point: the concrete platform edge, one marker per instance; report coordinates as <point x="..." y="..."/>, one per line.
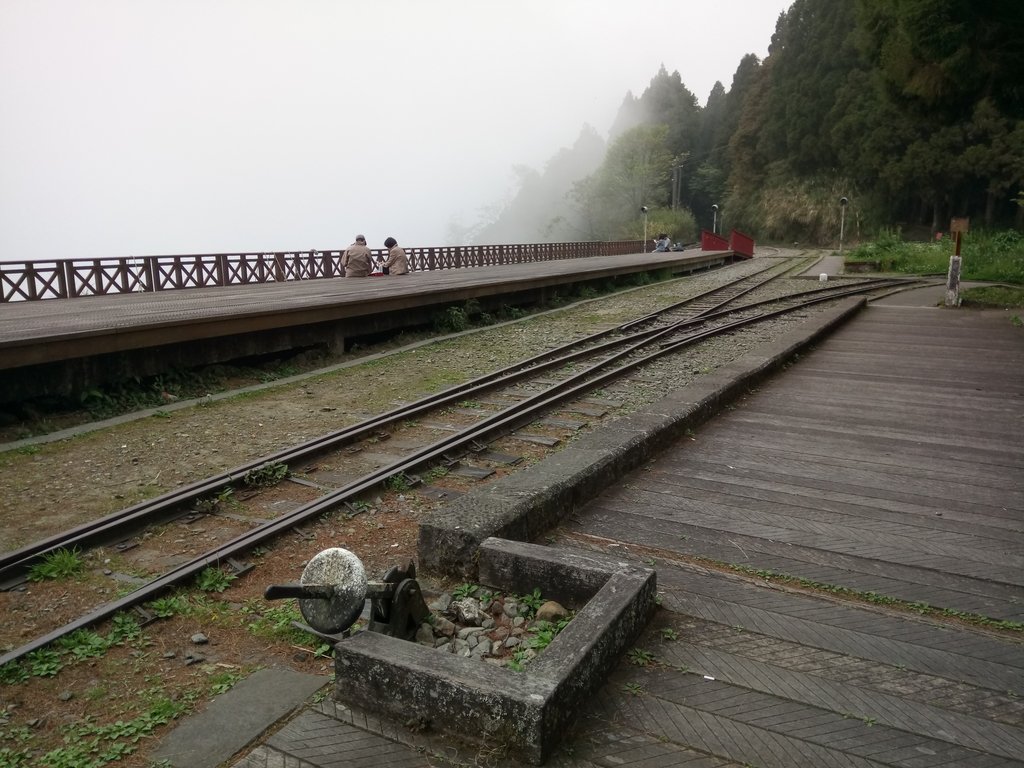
<point x="524" y="505"/>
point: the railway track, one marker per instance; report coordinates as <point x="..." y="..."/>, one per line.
<point x="503" y="401"/>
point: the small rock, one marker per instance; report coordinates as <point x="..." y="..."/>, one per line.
<point x="65" y="695"/>
<point x="425" y="635"/>
<point x="518" y="621"/>
<point x="441" y="604"/>
<point x="169" y="654"/>
<point x="552" y="612"/>
<point x="190" y="660"/>
<point x="512" y="642"/>
<point x="488" y="623"/>
<point x="300" y="656"/>
<point x="444" y="627"/>
<point x="467" y="611"/>
<point x="200" y="639"/>
<point x="511" y="609"/>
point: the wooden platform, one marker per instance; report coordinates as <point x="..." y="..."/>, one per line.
<point x="144" y="333"/>
<point x="889" y="462"/>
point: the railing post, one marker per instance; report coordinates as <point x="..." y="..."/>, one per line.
<point x="30" y="281"/>
<point x="221" y="269"/>
<point x="150" y="273"/>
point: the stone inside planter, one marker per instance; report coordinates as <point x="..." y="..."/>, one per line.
<point x="494" y="627"/>
<point x="522" y="712"/>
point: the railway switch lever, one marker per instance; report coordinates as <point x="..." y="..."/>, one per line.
<point x="333" y="590"/>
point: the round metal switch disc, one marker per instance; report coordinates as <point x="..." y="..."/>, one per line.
<point x="344" y="571"/>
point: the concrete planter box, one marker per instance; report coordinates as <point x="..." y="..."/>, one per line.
<point x="525" y="712"/>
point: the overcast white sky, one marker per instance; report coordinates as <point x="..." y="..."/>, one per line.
<point x="140" y="127"/>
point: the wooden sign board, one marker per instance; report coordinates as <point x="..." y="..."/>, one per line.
<point x="959" y="225"/>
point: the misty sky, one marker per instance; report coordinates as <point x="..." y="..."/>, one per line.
<point x="141" y="127"/>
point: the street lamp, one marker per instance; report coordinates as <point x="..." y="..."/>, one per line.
<point x="714" y="220"/>
<point x="842" y="221"/>
<point x="643" y="211"/>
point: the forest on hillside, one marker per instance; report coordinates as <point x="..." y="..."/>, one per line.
<point x="912" y="110"/>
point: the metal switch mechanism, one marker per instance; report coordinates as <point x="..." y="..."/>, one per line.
<point x="333" y="589"/>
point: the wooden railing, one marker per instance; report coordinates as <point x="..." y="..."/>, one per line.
<point x="74" y="278"/>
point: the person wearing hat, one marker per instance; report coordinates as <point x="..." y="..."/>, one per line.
<point x="396" y="263"/>
<point x="357" y="260"/>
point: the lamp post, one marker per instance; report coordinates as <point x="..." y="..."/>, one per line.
<point x="643" y="212"/>
<point x="842" y="221"/>
<point x="714" y="220"/>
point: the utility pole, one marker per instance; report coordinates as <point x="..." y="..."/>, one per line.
<point x="677" y="186"/>
<point x="842" y="221"/>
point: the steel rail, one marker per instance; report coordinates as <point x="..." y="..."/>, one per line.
<point x="502" y="421"/>
<point x="166" y="505"/>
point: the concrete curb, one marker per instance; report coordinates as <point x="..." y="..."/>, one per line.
<point x="524" y="505"/>
<point x="237" y="718"/>
<point x="524" y="712"/>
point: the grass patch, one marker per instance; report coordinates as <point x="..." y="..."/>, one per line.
<point x="214" y="580"/>
<point x="58" y="564"/>
<point x="994" y="297"/>
<point x="987" y="256"/>
<point x="265" y="475"/>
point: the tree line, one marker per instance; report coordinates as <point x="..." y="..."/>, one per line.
<point x="913" y="110"/>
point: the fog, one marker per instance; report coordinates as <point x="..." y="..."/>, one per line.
<point x="141" y="127"/>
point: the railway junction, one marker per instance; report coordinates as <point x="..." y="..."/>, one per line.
<point x="793" y="505"/>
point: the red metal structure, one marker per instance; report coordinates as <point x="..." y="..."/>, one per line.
<point x="741" y="244"/>
<point x="709" y="241"/>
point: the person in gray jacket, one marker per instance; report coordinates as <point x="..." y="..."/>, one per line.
<point x="357" y="260"/>
<point x="396" y="263"/>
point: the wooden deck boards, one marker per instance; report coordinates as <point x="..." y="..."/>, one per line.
<point x="890" y="460"/>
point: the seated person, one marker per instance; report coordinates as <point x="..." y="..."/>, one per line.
<point x="396" y="263"/>
<point x="357" y="260"/>
<point x="662" y="243"/>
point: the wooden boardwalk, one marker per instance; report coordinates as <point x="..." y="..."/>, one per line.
<point x="37" y="332"/>
<point x="888" y="460"/>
